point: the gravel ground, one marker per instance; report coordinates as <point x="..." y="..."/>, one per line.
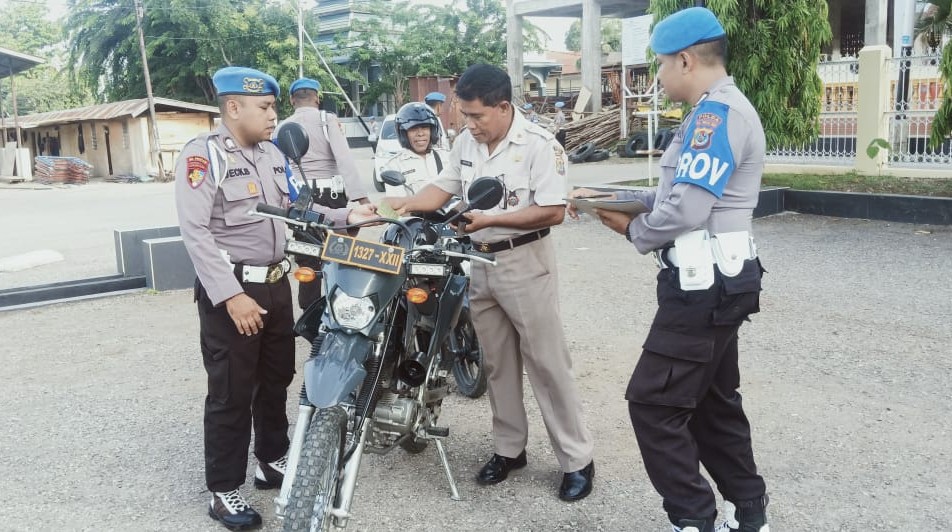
<point x="845" y="374"/>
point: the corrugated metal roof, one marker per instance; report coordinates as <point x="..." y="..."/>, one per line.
<point x="15" y="62"/>
<point x="109" y="111"/>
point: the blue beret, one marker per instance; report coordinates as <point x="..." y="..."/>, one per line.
<point x="685" y="28"/>
<point x="304" y="83"/>
<point x="560" y="104"/>
<point x="242" y="80"/>
<point x="527" y="106"/>
<point x="434" y="97"/>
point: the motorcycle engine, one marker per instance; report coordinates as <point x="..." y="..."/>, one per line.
<point x="395" y="415"/>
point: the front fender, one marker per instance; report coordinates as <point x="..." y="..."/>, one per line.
<point x="337" y="370"/>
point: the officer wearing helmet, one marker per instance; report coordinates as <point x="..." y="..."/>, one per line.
<point x="420" y="160"/>
<point x="682" y="396"/>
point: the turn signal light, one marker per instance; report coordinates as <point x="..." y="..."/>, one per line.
<point x="417" y="295"/>
<point x="305" y="274"/>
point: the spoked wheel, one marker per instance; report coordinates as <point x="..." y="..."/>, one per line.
<point x="318" y="474"/>
<point x="468" y="368"/>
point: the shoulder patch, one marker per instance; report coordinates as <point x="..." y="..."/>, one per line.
<point x="706" y="158"/>
<point x="196" y="168"/>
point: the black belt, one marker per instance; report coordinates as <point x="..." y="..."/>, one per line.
<point x="504" y="245"/>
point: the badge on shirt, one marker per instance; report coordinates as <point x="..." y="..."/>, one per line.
<point x="466" y="163"/>
<point x="252" y="188"/>
<point x="230" y="144"/>
<point x="196" y="168"/>
<point x="559" y="160"/>
<point x="513" y="199"/>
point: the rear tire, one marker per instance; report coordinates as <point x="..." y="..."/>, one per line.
<point x="314" y="491"/>
<point x="468" y="366"/>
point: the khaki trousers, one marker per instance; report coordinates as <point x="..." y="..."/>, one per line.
<point x="515" y="307"/>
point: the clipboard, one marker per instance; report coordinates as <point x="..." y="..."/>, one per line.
<point x="588" y="205"/>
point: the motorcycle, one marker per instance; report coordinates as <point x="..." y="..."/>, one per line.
<point x="377" y="371"/>
<point x="462" y="343"/>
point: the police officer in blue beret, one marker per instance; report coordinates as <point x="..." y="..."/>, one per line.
<point x="435" y="101"/>
<point x="682" y="396"/>
<point x="242" y="292"/>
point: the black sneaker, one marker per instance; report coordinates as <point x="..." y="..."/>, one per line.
<point x="231" y="510"/>
<point x="745" y="516"/>
<point x="271" y="475"/>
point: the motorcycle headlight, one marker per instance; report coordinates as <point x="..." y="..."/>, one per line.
<point x="352" y="312"/>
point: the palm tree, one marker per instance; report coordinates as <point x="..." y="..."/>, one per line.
<point x="935" y="23"/>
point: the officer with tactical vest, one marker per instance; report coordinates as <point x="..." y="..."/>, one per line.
<point x="682" y="397"/>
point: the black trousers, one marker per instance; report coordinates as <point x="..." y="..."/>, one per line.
<point x="248" y="378"/>
<point x="683" y="399"/>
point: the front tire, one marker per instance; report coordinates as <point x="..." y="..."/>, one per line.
<point x="315" y="485"/>
<point x="468" y="364"/>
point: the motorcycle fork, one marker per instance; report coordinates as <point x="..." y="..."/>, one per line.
<point x="348" y="480"/>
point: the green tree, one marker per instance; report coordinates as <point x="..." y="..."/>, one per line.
<point x="611" y="35"/>
<point x="773" y="47"/>
<point x="25" y="28"/>
<point x="406" y="40"/>
<point x="186" y="42"/>
<point x="934" y="24"/>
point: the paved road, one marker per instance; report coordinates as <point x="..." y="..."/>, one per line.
<point x="845" y="376"/>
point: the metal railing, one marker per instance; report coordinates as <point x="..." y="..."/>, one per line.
<point x="836" y="142"/>
<point x="916" y="91"/>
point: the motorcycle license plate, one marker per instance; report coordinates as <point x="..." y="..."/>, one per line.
<point x="363" y="254"/>
<point x="303" y="248"/>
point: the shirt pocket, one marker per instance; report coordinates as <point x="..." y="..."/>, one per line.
<point x="241" y="195"/>
<point x="517" y="193"/>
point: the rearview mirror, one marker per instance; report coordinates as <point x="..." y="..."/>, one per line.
<point x="393" y="178"/>
<point x="484" y="193"/>
<point x="292" y="141"/>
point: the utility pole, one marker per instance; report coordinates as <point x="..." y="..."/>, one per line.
<point x="300" y="38"/>
<point x="154" y="145"/>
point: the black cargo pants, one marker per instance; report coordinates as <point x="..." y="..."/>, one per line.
<point x="683" y="399"/>
<point x="248" y="378"/>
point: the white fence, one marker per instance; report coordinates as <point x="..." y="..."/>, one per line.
<point x="915" y="94"/>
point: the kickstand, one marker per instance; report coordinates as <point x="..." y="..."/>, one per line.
<point x="446" y="468"/>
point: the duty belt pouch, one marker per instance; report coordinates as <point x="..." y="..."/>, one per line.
<point x="731" y="250"/>
<point x="695" y="263"/>
<point x="329" y="192"/>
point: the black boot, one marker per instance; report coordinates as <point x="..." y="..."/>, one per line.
<point x="745" y="516"/>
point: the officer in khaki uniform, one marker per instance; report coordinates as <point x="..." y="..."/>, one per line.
<point x="682" y="397"/>
<point x="515" y="304"/>
<point x="328" y="165"/>
<point x="421" y="159"/>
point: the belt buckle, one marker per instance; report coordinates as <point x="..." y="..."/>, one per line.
<point x="657" y="257"/>
<point x="484" y="247"/>
<point x="275" y="273"/>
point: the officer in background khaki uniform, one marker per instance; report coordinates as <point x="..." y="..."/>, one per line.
<point x="420" y="160"/>
<point x="515" y="304"/>
<point x="682" y="397"/>
<point x="328" y="165"/>
<point x="243" y="294"/>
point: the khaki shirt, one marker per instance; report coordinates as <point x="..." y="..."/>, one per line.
<point x="213" y="208"/>
<point x="327" y="155"/>
<point x="528" y="160"/>
<point x="418" y="171"/>
<point x="679" y="208"/>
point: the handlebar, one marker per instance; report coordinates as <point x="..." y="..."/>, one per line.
<point x="264" y="208"/>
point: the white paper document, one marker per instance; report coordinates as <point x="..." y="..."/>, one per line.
<point x="588" y="205"/>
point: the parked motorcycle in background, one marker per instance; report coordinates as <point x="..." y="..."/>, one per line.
<point x="377" y="372"/>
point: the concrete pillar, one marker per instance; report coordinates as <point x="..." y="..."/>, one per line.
<point x="835" y="16"/>
<point x="871" y="120"/>
<point x="876" y="16"/>
<point x="592" y="51"/>
<point x="514" y="49"/>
